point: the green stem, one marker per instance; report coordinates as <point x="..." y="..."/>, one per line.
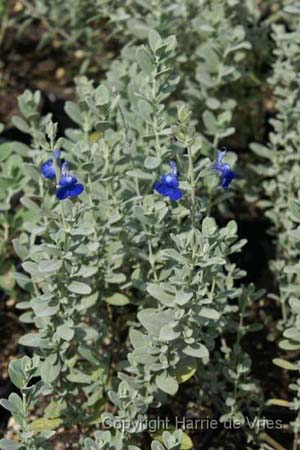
<point x="192" y="182"/>
<point x="154" y="122"/>
<point x="152" y="263"/>
<point x="63" y="216"/>
<point x="216" y="141"/>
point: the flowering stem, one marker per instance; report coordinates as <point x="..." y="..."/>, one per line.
<point x="154" y="122"/>
<point x="192" y="182"/>
<point x="216" y="140"/>
<point x="56" y="168"/>
<point x="137" y="189"/>
<point x="152" y="263"/>
<point x="124" y="122"/>
<point x="63" y="216"/>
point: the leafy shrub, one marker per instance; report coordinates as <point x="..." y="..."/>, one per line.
<point x="131" y="288"/>
<point x="123" y="243"/>
<point x="280" y="175"/>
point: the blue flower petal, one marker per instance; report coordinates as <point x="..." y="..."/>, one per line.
<point x="168" y="185"/>
<point x="167" y="191"/>
<point x="219" y="164"/>
<point x="162" y="188"/>
<point x="173" y="166"/>
<point x="47" y="169"/>
<point x="67" y="180"/>
<point x="175" y="194"/>
<point x="69" y="191"/>
<point x="224" y="169"/>
<point x="227" y="175"/>
<point x="170" y="180"/>
<point x="65" y="168"/>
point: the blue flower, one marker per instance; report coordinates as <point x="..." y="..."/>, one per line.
<point x="68" y="187"/>
<point x="224" y="170"/>
<point x="168" y="186"/>
<point x="47" y="168"/>
<point x="219" y="162"/>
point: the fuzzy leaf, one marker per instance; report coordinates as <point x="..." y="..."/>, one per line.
<point x="166" y="383"/>
<point x="197" y="351"/>
<point x="155" y="41"/>
<point x="65" y="332"/>
<point x="79" y="288"/>
<point x="117" y="299"/>
<point x="49" y="371"/>
<point x="8" y="444"/>
<point x="52" y="265"/>
<point x="209" y="313"/>
<point x="144" y="60"/>
<point x="45" y="424"/>
<point x="285" y="364"/>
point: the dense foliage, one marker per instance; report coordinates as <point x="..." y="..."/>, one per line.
<point x="119" y="235"/>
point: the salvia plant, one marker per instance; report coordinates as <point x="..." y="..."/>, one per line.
<point x="65" y="23"/>
<point x="116" y="218"/>
<point x="280" y="174"/>
<point x="12" y="181"/>
<point x="24" y="374"/>
<point x="217" y="55"/>
<point x="213" y="40"/>
<point x="127" y="277"/>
